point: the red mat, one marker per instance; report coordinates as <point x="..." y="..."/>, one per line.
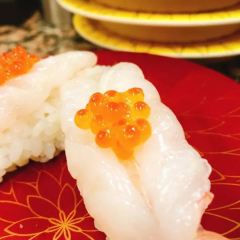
<point x="41" y="201"/>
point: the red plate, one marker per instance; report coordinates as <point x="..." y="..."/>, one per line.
<point x="41" y="201"/>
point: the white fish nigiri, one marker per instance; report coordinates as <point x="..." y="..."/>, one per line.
<point x="29" y="109"/>
<point x="109" y="195"/>
<point x="161" y="192"/>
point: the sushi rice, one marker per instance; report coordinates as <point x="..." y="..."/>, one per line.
<point x="37" y="137"/>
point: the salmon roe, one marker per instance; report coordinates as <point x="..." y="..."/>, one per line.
<point x="118" y="119"/>
<point x="15" y="62"/>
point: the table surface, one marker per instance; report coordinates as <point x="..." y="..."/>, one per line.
<point x="40" y="38"/>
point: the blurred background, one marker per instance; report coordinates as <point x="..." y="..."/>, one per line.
<point x="206" y="32"/>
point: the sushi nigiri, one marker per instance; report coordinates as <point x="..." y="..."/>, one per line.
<point x="29" y="103"/>
<point x="137" y="174"/>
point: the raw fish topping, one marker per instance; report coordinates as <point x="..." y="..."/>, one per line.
<point x="119" y="120"/>
<point x="15" y="62"/>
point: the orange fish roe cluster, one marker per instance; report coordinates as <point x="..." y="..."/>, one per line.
<point x="119" y="120"/>
<point x="15" y="62"/>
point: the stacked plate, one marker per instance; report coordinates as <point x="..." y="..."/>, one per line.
<point x="184" y="28"/>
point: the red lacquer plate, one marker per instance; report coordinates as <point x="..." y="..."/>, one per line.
<point x="41" y="201"/>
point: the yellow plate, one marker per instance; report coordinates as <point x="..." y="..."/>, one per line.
<point x="166" y="6"/>
<point x="90" y="9"/>
<point x="170" y="34"/>
<point x="95" y="33"/>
